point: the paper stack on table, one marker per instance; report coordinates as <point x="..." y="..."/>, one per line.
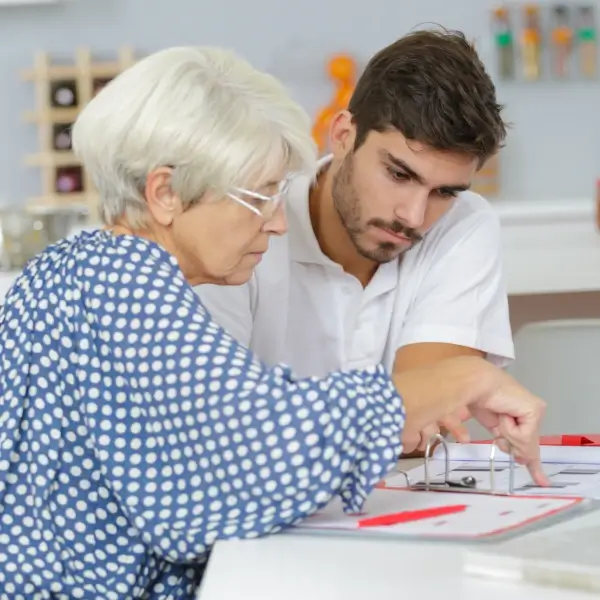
<point x="569" y="560"/>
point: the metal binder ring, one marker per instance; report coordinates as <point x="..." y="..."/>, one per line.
<point x="436" y="437"/>
<point x="406" y="477"/>
<point x="511" y="466"/>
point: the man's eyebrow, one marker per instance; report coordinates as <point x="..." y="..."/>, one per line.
<point x="400" y="164"/>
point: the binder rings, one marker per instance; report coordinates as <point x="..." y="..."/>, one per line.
<point x="451" y="508"/>
<point x="572" y="463"/>
<point x="466" y="483"/>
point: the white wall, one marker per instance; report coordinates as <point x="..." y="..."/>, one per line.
<point x="553" y="150"/>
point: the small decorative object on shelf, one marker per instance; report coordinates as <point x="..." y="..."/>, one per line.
<point x="342" y="71"/>
<point x="99" y="83"/>
<point x="586" y="39"/>
<point x="504" y="43"/>
<point x="64" y="94"/>
<point x="562" y="41"/>
<point x="61" y="137"/>
<point x="556" y="42"/>
<point x="69" y="179"/>
<point x="531" y="41"/>
<point x="61" y="92"/>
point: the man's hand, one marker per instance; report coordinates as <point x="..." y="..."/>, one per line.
<point x="512" y="413"/>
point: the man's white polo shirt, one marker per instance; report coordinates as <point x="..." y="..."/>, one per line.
<point x="302" y="309"/>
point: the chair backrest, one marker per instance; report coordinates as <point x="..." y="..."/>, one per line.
<point x="560" y="362"/>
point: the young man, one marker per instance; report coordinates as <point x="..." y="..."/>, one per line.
<point x="389" y="257"/>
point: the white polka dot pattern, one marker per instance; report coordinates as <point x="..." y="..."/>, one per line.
<point x="134" y="432"/>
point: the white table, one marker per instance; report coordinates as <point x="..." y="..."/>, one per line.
<point x="289" y="567"/>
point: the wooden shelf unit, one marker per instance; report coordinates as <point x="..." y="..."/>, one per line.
<point x="61" y="91"/>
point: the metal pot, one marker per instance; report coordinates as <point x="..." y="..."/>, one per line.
<point x="25" y="232"/>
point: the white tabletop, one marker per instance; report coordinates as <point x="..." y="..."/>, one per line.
<point x="294" y="567"/>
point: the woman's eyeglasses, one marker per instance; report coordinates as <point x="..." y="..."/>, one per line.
<point x="259" y="204"/>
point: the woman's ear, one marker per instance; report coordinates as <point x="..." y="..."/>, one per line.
<point x="162" y="203"/>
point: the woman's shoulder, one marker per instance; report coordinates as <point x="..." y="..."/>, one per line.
<point x="96" y="256"/>
<point x="100" y="248"/>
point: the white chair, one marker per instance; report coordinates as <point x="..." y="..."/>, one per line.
<point x="560" y="362"/>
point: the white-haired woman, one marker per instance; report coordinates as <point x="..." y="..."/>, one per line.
<point x="134" y="432"/>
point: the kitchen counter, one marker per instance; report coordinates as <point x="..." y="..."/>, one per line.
<point x="550" y="247"/>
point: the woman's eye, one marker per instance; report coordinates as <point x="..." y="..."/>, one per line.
<point x="254" y="201"/>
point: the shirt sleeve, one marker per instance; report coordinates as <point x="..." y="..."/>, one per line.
<point x="231" y="307"/>
<point x="218" y="445"/>
<point x="462" y="297"/>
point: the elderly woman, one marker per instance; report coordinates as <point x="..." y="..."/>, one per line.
<point x="134" y="432"/>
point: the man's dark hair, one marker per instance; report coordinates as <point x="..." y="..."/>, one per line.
<point x="432" y="87"/>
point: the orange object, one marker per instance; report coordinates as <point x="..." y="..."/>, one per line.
<point x="342" y="71"/>
<point x="561" y="38"/>
<point x="531" y="36"/>
<point x="562" y="35"/>
<point x="531" y="43"/>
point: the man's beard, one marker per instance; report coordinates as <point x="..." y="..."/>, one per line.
<point x="347" y="205"/>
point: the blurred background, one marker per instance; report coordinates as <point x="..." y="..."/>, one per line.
<point x="553" y="150"/>
<point x="544" y="185"/>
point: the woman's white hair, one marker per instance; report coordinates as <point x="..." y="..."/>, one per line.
<point x="210" y="115"/>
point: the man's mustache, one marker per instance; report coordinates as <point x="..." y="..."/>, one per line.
<point x="398" y="228"/>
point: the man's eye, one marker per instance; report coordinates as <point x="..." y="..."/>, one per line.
<point x="447" y="193"/>
<point x="397" y="175"/>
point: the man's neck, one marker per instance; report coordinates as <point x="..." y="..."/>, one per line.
<point x="331" y="235"/>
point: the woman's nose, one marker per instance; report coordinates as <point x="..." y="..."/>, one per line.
<point x="277" y="224"/>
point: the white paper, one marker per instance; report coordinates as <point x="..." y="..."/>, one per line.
<point x="485" y="515"/>
<point x="549" y="454"/>
<point x="566" y="479"/>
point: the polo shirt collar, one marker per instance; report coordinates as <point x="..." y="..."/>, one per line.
<point x="304" y="247"/>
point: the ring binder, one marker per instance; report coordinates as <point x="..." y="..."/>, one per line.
<point x="465" y="484"/>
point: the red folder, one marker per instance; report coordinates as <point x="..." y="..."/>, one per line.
<point x="570" y="440"/>
<point x="588" y="439"/>
<point x="564" y="448"/>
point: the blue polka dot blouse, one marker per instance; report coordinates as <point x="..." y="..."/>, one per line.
<point x="135" y="432"/>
